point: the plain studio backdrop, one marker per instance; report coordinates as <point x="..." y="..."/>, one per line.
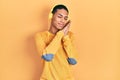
<point x="95" y="23"/>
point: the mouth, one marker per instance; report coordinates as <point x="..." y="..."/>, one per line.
<point x="61" y="24"/>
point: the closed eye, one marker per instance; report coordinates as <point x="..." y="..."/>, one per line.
<point x="59" y="16"/>
<point x="66" y="18"/>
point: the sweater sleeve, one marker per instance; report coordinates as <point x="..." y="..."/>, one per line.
<point x="48" y="51"/>
<point x="68" y="43"/>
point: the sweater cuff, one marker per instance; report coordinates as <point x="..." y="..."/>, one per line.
<point x="60" y="33"/>
<point x="66" y="38"/>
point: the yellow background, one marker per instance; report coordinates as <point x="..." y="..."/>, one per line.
<point x="96" y="24"/>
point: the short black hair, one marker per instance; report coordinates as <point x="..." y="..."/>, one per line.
<point x="59" y="6"/>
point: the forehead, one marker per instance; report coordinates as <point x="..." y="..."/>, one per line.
<point x="61" y="12"/>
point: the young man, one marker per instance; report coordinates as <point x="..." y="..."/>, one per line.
<point x="56" y="48"/>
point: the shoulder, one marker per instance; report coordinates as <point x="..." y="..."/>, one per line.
<point x="70" y="33"/>
<point x="40" y="34"/>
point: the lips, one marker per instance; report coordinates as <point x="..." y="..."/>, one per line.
<point x="60" y="24"/>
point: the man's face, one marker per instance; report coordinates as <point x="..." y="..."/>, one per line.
<point x="59" y="19"/>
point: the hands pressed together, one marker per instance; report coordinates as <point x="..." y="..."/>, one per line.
<point x="66" y="28"/>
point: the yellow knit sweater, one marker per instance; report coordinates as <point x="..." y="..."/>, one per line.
<point x="57" y="66"/>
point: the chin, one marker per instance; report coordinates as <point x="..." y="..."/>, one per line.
<point x="60" y="27"/>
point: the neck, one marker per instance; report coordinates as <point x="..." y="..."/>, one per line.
<point x="53" y="29"/>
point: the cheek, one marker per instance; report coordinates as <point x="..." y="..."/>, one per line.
<point x="54" y="21"/>
<point x="66" y="22"/>
<point x="57" y="19"/>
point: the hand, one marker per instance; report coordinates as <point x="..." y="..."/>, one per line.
<point x="66" y="28"/>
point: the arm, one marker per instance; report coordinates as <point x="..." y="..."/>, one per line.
<point x="68" y="44"/>
<point x="48" y="51"/>
<point x="70" y="49"/>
